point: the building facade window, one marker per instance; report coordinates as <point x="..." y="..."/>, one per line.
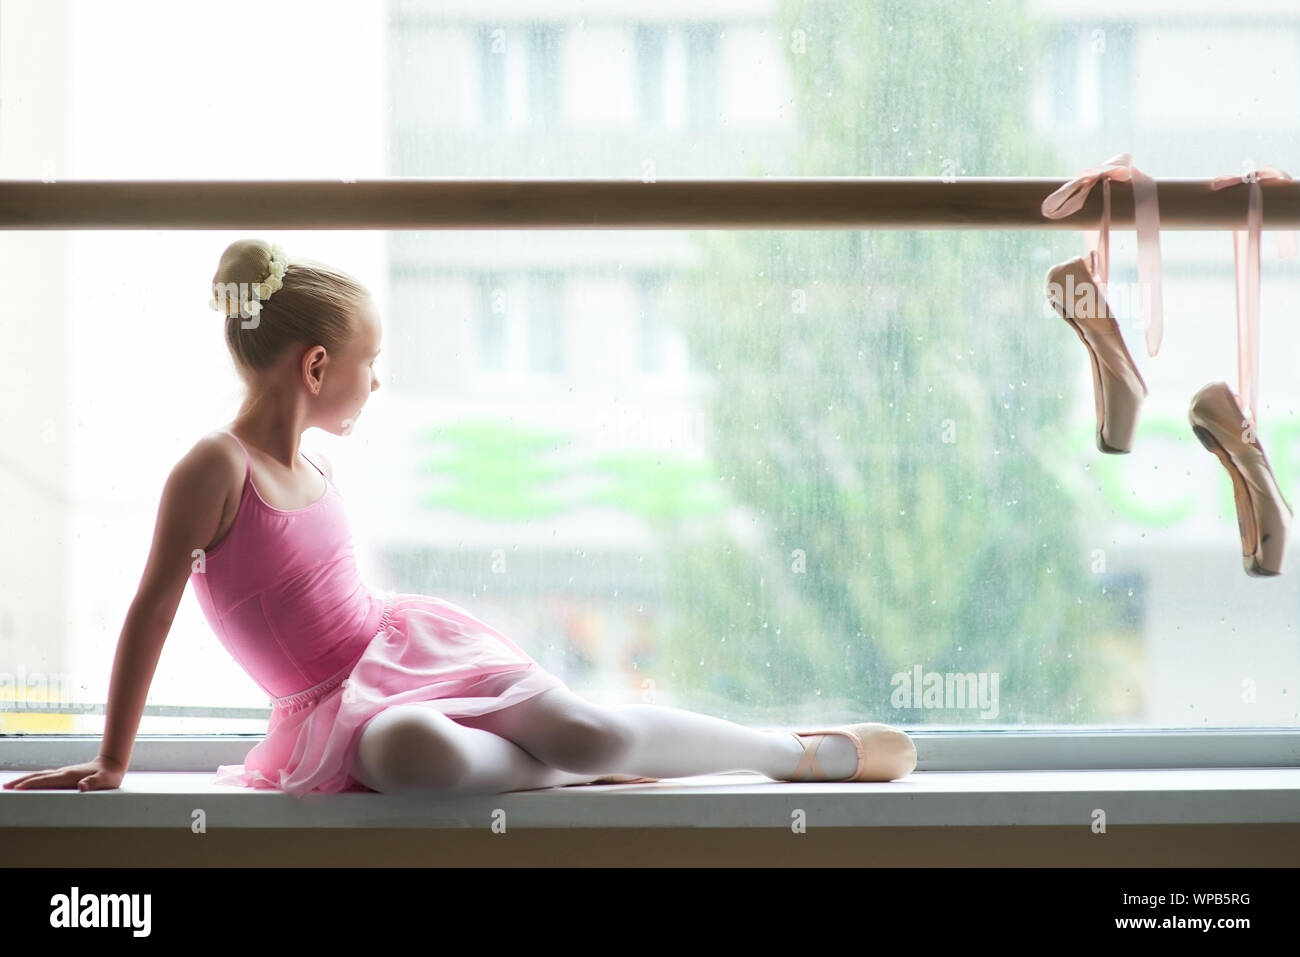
<point x="650" y="44"/>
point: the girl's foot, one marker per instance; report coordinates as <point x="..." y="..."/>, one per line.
<point x="836" y="755"/>
<point x="882" y="753"/>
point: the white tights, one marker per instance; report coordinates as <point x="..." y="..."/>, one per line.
<point x="557" y="738"/>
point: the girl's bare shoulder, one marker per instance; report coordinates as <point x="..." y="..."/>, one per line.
<point x="216" y="449"/>
<point x="213" y="466"/>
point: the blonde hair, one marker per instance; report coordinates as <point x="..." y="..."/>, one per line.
<point x="315" y="305"/>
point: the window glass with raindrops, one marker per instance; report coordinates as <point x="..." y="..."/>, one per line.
<point x="781" y="476"/>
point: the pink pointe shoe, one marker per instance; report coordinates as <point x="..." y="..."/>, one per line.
<point x="1118" y="387"/>
<point x="1218" y="414"/>
<point x="1263" y="515"/>
<point x="884" y="753"/>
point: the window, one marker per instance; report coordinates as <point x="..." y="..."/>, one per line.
<point x="650" y="76"/>
<point x="493" y="325"/>
<point x="492" y="74"/>
<point x="519" y="326"/>
<point x="546" y="339"/>
<point x="651" y="339"/>
<point x="1113" y="46"/>
<point x="543" y="75"/>
<point x="702" y="74"/>
<point x="897" y="483"/>
<point x="518" y="66"/>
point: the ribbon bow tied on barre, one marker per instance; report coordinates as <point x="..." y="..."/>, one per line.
<point x="1146" y="217"/>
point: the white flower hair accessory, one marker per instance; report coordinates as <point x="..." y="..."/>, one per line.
<point x="251" y="295"/>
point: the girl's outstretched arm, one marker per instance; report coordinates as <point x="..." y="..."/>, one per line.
<point x="193" y="501"/>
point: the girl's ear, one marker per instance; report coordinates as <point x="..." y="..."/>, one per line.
<point x="314" y="361"/>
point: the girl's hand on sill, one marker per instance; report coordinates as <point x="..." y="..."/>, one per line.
<point x="90" y="776"/>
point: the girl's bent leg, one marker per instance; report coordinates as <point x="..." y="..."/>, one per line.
<point x="410" y="749"/>
<point x="566" y="731"/>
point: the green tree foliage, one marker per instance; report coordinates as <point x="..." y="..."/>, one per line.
<point x="889" y="406"/>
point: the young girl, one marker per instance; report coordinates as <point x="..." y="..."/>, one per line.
<point x="395" y="693"/>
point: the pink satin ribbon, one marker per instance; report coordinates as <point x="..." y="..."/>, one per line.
<point x="1146" y="217"/>
<point x="1245" y="258"/>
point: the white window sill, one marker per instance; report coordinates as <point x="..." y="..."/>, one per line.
<point x="741" y="799"/>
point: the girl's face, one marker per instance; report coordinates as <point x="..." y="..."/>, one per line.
<point x="350" y="377"/>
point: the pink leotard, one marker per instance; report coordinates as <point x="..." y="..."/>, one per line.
<point x="283" y="593"/>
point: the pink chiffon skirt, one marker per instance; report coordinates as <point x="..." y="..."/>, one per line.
<point x="427" y="651"/>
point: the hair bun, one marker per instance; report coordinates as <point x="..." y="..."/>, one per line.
<point x="249" y="272"/>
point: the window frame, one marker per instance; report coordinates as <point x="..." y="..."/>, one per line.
<point x="937" y="750"/>
<point x="762" y="203"/>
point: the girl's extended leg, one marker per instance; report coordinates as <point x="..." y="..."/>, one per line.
<point x="412" y="749"/>
<point x="565" y="731"/>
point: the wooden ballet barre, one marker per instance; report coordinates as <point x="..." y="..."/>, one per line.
<point x="759" y="203"/>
